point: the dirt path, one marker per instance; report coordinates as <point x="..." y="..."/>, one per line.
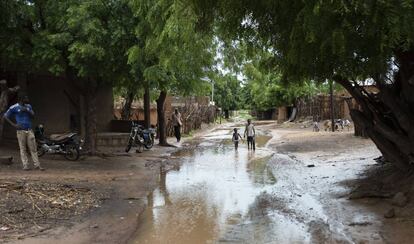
<point x="112" y="194"/>
<point x="121" y="183"/>
<point x="294" y="189"/>
<point x="319" y="195"/>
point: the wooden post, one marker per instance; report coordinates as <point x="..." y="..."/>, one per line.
<point x="332" y="105"/>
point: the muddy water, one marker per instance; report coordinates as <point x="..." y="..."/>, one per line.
<point x="218" y="195"/>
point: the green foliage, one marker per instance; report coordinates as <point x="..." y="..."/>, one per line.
<point x="317" y="39"/>
<point x="227" y="92"/>
<point x="263" y="87"/>
<point x="244" y="115"/>
<point x="267" y="91"/>
<point x="170" y="54"/>
<point x="130" y="43"/>
<point x="86" y="38"/>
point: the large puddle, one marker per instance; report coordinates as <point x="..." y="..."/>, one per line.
<point x="218" y="195"/>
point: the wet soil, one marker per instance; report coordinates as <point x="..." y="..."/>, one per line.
<point x="112" y="192"/>
<point x="218" y="194"/>
<point x="294" y="188"/>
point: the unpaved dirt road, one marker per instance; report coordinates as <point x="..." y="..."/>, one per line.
<point x="121" y="184"/>
<point x="293" y="189"/>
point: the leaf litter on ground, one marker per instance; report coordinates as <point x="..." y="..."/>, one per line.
<point x="39" y="206"/>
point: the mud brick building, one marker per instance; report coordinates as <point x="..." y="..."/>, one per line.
<point x="57" y="102"/>
<point x="137" y="110"/>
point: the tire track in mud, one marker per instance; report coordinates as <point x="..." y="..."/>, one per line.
<point x="336" y="219"/>
<point x="293" y="198"/>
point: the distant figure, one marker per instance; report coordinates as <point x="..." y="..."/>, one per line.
<point x="316" y="126"/>
<point x="251" y="134"/>
<point x="235" y="138"/>
<point x="342" y="123"/>
<point x="23" y="113"/>
<point x="327" y="124"/>
<point x="346" y="123"/>
<point x="339" y="124"/>
<point x="177" y="122"/>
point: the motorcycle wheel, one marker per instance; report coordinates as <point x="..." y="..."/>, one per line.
<point x="72" y="152"/>
<point x="149" y="144"/>
<point x="40" y="150"/>
<point x="129" y="145"/>
<point x="140" y="147"/>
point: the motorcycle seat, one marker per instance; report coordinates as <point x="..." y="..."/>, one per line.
<point x="61" y="137"/>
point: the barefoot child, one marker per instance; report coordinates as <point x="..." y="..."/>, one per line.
<point x="236" y="137"/>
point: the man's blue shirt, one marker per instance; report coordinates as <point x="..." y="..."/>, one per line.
<point x="23" y="118"/>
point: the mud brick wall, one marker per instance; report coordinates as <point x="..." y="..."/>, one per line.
<point x="112" y="139"/>
<point x="55" y="101"/>
<point x="137" y="114"/>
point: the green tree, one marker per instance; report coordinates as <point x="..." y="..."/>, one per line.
<point x="227" y="92"/>
<point x="267" y="91"/>
<point x="85" y="41"/>
<point x="263" y="87"/>
<point x="345" y="41"/>
<point x="170" y="53"/>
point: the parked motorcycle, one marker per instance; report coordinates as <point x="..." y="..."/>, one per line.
<point x="69" y="145"/>
<point x="140" y="138"/>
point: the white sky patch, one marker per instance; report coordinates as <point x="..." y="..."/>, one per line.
<point x="220" y="66"/>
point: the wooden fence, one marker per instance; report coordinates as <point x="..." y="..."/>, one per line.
<point x="193" y="116"/>
<point x="319" y="108"/>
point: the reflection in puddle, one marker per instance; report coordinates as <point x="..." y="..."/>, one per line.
<point x="260" y="173"/>
<point x="216" y="196"/>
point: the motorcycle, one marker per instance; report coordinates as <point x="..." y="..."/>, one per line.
<point x="140" y="138"/>
<point x="69" y="145"/>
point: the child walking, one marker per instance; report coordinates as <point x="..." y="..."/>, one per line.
<point x="236" y="137"/>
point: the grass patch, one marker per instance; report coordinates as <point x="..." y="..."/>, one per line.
<point x="244" y="114"/>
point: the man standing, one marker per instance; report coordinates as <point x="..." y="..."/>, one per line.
<point x="251" y="133"/>
<point x="176" y="120"/>
<point x="23" y="114"/>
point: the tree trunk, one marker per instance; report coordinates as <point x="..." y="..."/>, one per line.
<point x="90" y="90"/>
<point x="359" y="131"/>
<point x="126" y="110"/>
<point x="162" y="127"/>
<point x="387" y="117"/>
<point x="82" y="115"/>
<point x="226" y="114"/>
<point x="147" y="107"/>
<point x="91" y="122"/>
